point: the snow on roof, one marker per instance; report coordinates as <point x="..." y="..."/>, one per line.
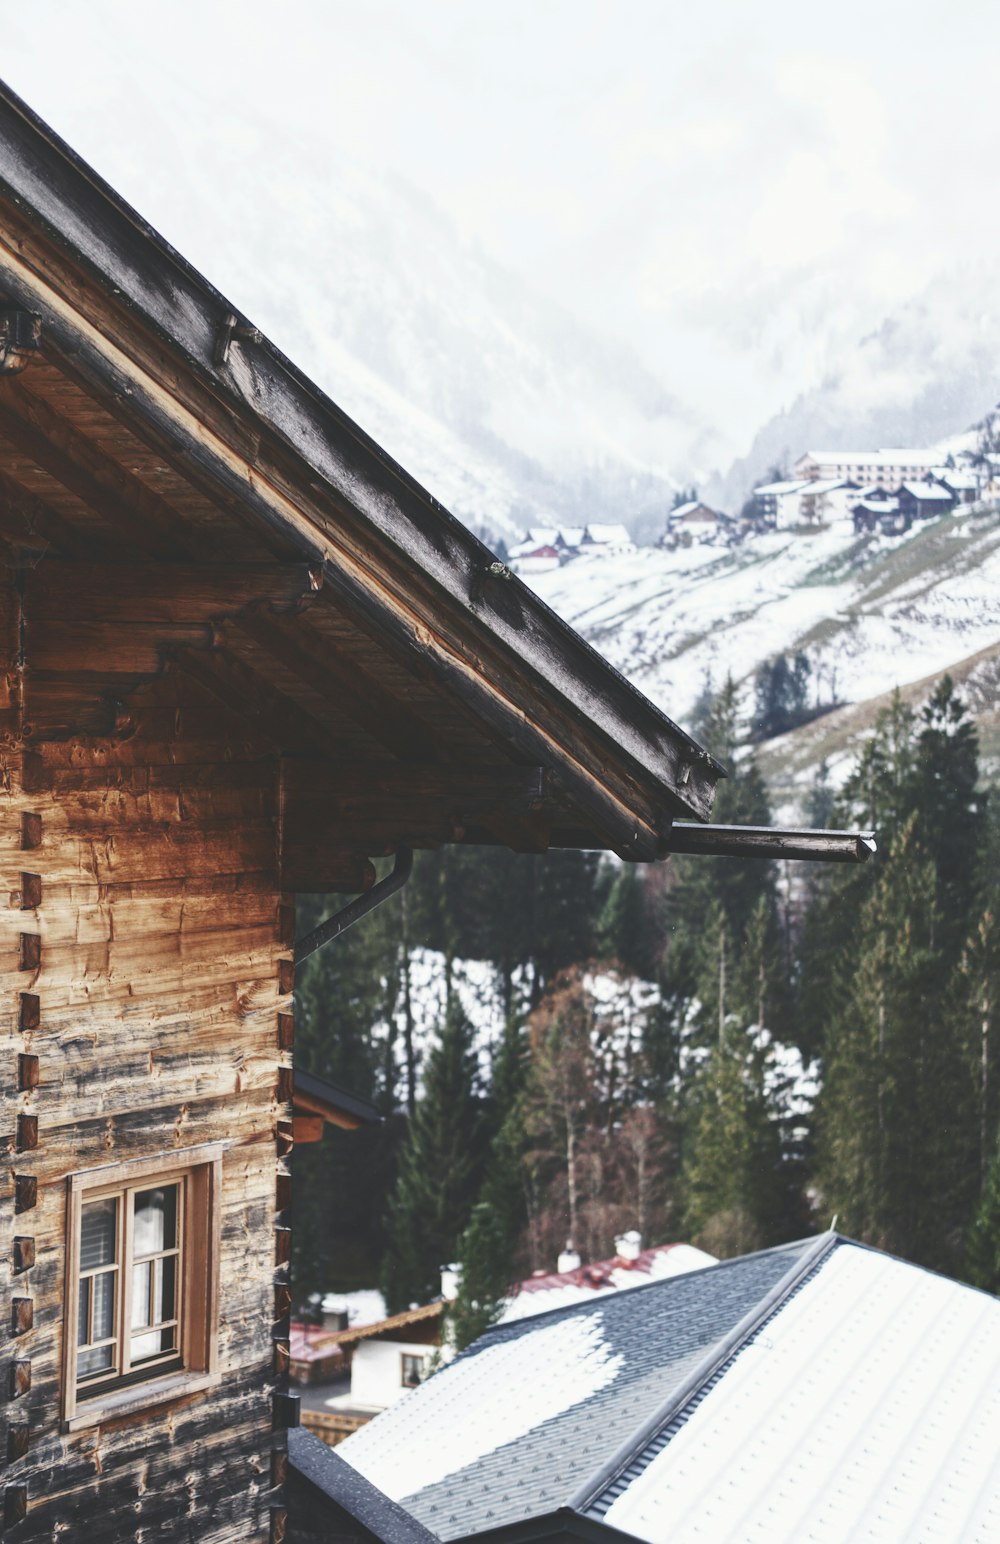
<point x="824" y="485"/>
<point x="866" y="1407"/>
<point x="960" y="481"/>
<point x="311" y="1342"/>
<point x="515" y="1425"/>
<point x="572" y="535"/>
<point x="820" y="1390"/>
<point x="559" y="1289"/>
<point x="928" y="491"/>
<point x="794" y="485"/>
<point x="365" y="1306"/>
<point x="599" y="532"/>
<point x="542" y="535"/>
<point x="874" y="457"/>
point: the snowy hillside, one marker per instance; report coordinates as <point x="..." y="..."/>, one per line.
<point x="871" y="613"/>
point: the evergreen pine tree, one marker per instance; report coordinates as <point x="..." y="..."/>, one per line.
<point x="488" y="1246"/>
<point x="623" y="927"/>
<point x="341" y="1183"/>
<point x="439" y="1169"/>
<point x="731" y="1166"/>
<point x="895" y="1113"/>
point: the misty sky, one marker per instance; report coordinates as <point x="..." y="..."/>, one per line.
<point x="739" y="191"/>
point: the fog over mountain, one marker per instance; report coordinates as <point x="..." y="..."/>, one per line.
<point x="560" y="264"/>
<point x="504" y="405"/>
<point x="930" y="370"/>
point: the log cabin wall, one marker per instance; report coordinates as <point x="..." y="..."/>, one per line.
<point x="146" y="979"/>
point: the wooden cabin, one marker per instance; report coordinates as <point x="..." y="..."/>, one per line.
<point x="243" y="654"/>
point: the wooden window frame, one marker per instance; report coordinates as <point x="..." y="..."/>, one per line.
<point x="198" y="1173"/>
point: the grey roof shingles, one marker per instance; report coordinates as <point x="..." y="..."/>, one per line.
<point x="660" y="1333"/>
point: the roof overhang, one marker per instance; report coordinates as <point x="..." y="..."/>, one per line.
<point x="156" y="346"/>
<point x="316" y="1103"/>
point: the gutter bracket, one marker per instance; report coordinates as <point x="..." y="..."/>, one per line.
<point x="20" y="336"/>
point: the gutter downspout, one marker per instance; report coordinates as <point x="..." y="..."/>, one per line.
<point x="341" y="920"/>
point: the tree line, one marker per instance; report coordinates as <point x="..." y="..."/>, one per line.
<point x="712" y="1049"/>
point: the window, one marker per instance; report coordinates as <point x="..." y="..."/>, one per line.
<point x="141" y="1303"/>
<point x="413" y="1370"/>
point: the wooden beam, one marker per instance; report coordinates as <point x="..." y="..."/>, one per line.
<point x="247" y="694"/>
<point x="140" y="516"/>
<point x="29" y="520"/>
<point x="307" y="1128"/>
<point x="347" y="687"/>
<point x="388" y="806"/>
<point x="162" y="592"/>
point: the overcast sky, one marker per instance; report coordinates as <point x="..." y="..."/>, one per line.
<point x="738" y="190"/>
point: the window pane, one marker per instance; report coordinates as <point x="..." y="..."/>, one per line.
<point x="98" y="1230"/>
<point x="83" y="1321"/>
<point x="99" y="1360"/>
<point x="141" y="1275"/>
<point x="164" y="1298"/>
<point x="153" y="1344"/>
<point x="155" y="1225"/>
<point x="103" y="1288"/>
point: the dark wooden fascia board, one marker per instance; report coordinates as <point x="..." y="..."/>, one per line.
<point x="144" y="338"/>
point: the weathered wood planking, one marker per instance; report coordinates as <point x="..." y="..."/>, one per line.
<point x="159" y="940"/>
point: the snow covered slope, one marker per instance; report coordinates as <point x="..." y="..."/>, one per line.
<point x="870" y="613"/>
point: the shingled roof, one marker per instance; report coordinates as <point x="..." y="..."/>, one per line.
<point x="527" y="1419"/>
<point x="821" y="1390"/>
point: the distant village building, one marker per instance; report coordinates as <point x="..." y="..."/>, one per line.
<point x="886" y="468"/>
<point x="545" y="547"/>
<point x="698" y="521"/>
<point x="776" y="504"/>
<point x="573" y="1282"/>
<point x="965" y="485"/>
<point x="604" y="540"/>
<point x="892" y="514"/>
<point x="924" y="500"/>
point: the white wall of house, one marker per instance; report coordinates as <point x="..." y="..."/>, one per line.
<point x="377" y="1370"/>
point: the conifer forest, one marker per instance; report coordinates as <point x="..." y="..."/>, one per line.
<point x="730" y="1053"/>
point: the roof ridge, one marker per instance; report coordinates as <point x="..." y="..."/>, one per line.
<point x="718" y="1354"/>
<point x="588" y="1305"/>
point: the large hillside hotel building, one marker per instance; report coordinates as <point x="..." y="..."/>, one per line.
<point x="887" y="468"/>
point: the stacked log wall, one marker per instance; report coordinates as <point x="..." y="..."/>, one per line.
<point x="144" y="963"/>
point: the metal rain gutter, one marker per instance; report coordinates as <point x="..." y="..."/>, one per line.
<point x="690" y="836"/>
<point x="341" y="920"/>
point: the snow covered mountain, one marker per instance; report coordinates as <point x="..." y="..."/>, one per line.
<point x="506" y="408"/>
<point x="870" y="613"/>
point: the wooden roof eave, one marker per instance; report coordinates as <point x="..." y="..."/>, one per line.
<point x="142" y="329"/>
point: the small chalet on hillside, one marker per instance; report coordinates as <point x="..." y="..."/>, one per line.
<point x="243" y="654"/>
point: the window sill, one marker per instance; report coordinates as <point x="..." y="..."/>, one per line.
<point x="142" y="1396"/>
